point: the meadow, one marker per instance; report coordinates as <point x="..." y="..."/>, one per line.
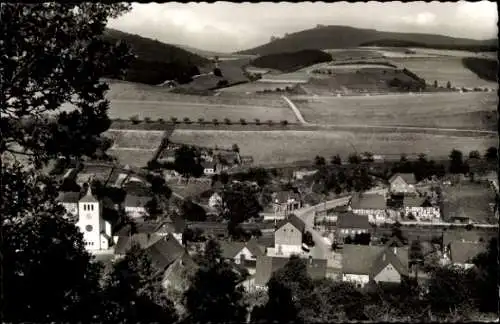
<point x="442" y="70"/>
<point x="270" y="147"/>
<point x="136" y="139"/>
<point x="473" y="110"/>
<point x="133" y="157"/>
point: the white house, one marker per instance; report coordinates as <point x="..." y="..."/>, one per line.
<point x="96" y="231"/>
<point x="288" y="237"/>
<point x="135" y="206"/>
<point x="420" y="209"/>
<point x="243" y="253"/>
<point x="209" y="168"/>
<point x="215" y="201"/>
<point x="402" y="183"/>
<point x="372" y="205"/>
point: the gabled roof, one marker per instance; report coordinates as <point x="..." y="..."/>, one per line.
<point x="350" y="220"/>
<point x="89" y="197"/>
<point x="68" y="197"/>
<point x="231" y="249"/>
<point x="409" y="178"/>
<point x="165" y="251"/>
<point x="281" y="197"/>
<point x="178" y="272"/>
<point x="295" y="221"/>
<point x="462" y="235"/>
<point x="464" y="252"/>
<point x="389" y="256"/>
<point x="364" y="259"/>
<point x="144" y="240"/>
<point x="136" y="201"/>
<point x="368" y="201"/>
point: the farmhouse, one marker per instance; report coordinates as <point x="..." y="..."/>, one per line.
<point x="363" y="264"/>
<point x="288" y="237"/>
<point x="350" y="224"/>
<point x="420" y="209"/>
<point x="402" y="183"/>
<point x="372" y="205"/>
<point x="243" y="253"/>
<point x="135" y="205"/>
<point x="266" y="265"/>
<point x="285" y="202"/>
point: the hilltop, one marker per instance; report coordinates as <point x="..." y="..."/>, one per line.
<point x="292" y="61"/>
<point x="157" y="61"/>
<point x="331" y="37"/>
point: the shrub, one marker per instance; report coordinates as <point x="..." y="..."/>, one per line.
<point x="174" y="120"/>
<point x="135" y="119"/>
<point x="227" y="121"/>
<point x="284" y="122"/>
<point x="215" y="121"/>
<point x="257" y="121"/>
<point x="147" y="119"/>
<point x="161" y="120"/>
<point x="243" y="121"/>
<point x="270" y="122"/>
<point x="201" y="121"/>
<point x="187" y="120"/>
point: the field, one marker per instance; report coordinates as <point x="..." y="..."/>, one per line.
<point x="145" y="140"/>
<point x="474" y="199"/>
<point x="269" y="147"/>
<point x="444" y="69"/>
<point x="474" y="110"/>
<point x="253" y="87"/>
<point x="133" y="157"/>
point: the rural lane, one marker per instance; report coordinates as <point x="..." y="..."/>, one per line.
<point x="296" y="111"/>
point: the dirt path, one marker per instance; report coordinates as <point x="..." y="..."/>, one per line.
<point x="295" y="110"/>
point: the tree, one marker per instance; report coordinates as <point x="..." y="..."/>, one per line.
<point x="153" y="208"/>
<point x="284" y="122"/>
<point x="485" y="292"/>
<point x="235" y="148"/>
<point x="64" y="52"/>
<point x="239" y="203"/>
<point x="227" y="121"/>
<point x="336" y="160"/>
<point x="448" y="85"/>
<point x="435" y="84"/>
<point x="319" y="161"/>
<point x="187" y="120"/>
<point x="354" y="159"/>
<point x="474" y="155"/>
<point x="491" y="154"/>
<point x="215" y="121"/>
<point x="193" y="212"/>
<point x="174" y="120"/>
<point x="134" y="292"/>
<point x="308" y="239"/>
<point x="257" y="121"/>
<point x="159" y="187"/>
<point x="201" y="121"/>
<point x="362" y="239"/>
<point x="243" y="121"/>
<point x="456" y="162"/>
<point x="187" y="162"/>
<point x="218" y="72"/>
<point x="213" y="295"/>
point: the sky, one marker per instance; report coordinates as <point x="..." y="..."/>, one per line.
<point x="229" y="27"/>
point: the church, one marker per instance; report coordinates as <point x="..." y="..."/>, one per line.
<point x="87" y="211"/>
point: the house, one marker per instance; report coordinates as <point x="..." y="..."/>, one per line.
<point x="267" y="265"/>
<point x="465" y="236"/>
<point x="420" y="209"/>
<point x="135" y="205"/>
<point x="243" y="253"/>
<point x="167" y="156"/>
<point x="364" y="264"/>
<point x="97" y="231"/>
<point x="285" y="202"/>
<point x="215" y="201"/>
<point x="350" y="224"/>
<point x="299" y="175"/>
<point x="402" y="183"/>
<point x="69" y="200"/>
<point x="462" y="253"/>
<point x="372" y="205"/>
<point x="209" y="168"/>
<point x="216" y="229"/>
<point x="125" y="240"/>
<point x="288" y="237"/>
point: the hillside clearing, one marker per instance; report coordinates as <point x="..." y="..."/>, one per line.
<point x="269" y="147"/>
<point x="473" y="110"/>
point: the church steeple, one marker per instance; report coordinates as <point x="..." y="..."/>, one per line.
<point x="89" y="197"/>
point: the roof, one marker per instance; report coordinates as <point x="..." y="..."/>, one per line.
<point x="208" y="165"/>
<point x="409" y="178"/>
<point x="89" y="197"/>
<point x="137" y="188"/>
<point x="178" y="272"/>
<point x="68" y="197"/>
<point x="284" y="196"/>
<point x="464" y="252"/>
<point x="165" y="251"/>
<point x="462" y="235"/>
<point x="389" y="256"/>
<point x="231" y="249"/>
<point x="266" y="265"/>
<point x="144" y="240"/>
<point x="413" y="201"/>
<point x="364" y="259"/>
<point x="295" y="221"/>
<point x="368" y="201"/>
<point x="350" y="220"/>
<point x="136" y="201"/>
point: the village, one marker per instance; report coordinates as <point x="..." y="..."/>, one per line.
<point x="364" y="236"/>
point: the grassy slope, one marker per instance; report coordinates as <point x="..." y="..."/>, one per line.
<point x="344" y="37"/>
<point x="484" y="68"/>
<point x="291" y="61"/>
<point x="156" y="61"/>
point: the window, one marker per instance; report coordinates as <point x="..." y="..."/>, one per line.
<point x="84" y="207"/>
<point x="88" y="228"/>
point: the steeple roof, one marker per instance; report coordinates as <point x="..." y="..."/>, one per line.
<point x="89" y="198"/>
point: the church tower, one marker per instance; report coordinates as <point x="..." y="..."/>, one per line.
<point x="90" y="222"/>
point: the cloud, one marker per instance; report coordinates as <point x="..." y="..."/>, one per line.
<point x="421" y="19"/>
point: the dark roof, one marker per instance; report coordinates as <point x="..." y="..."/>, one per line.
<point x="413" y="201"/>
<point x="389" y="256"/>
<point x="165" y="251"/>
<point x="68" y="197"/>
<point x="208" y="165"/>
<point x="137" y="188"/>
<point x="295" y="221"/>
<point x="368" y="201"/>
<point x="144" y="240"/>
<point x="361" y="259"/>
<point x="231" y="249"/>
<point x="266" y="240"/>
<point x="350" y="220"/>
<point x="462" y="235"/>
<point x="409" y="178"/>
<point x="136" y="201"/>
<point x="266" y="265"/>
<point x="282" y="197"/>
<point x="464" y="252"/>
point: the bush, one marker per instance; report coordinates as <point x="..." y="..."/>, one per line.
<point x="270" y="122"/>
<point x="227" y="121"/>
<point x="174" y="120"/>
<point x="147" y="120"/>
<point x="201" y="121"/>
<point x="187" y="120"/>
<point x="215" y="121"/>
<point x="161" y="120"/>
<point x="243" y="121"/>
<point x="257" y="121"/>
<point x="135" y="119"/>
<point x="284" y="122"/>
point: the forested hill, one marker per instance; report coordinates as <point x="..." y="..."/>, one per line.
<point x="329" y="37"/>
<point x="157" y="61"/>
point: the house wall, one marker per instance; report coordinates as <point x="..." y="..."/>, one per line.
<point x="284" y="250"/>
<point x="244" y="252"/>
<point x="358" y="280"/>
<point x="208" y="171"/>
<point x="343" y="232"/>
<point x="423" y="213"/>
<point x="274" y="216"/>
<point x="399" y="185"/>
<point x="388" y="274"/>
<point x="135" y="212"/>
<point x="287" y="235"/>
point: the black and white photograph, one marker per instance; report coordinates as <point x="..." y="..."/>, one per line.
<point x="265" y="162"/>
